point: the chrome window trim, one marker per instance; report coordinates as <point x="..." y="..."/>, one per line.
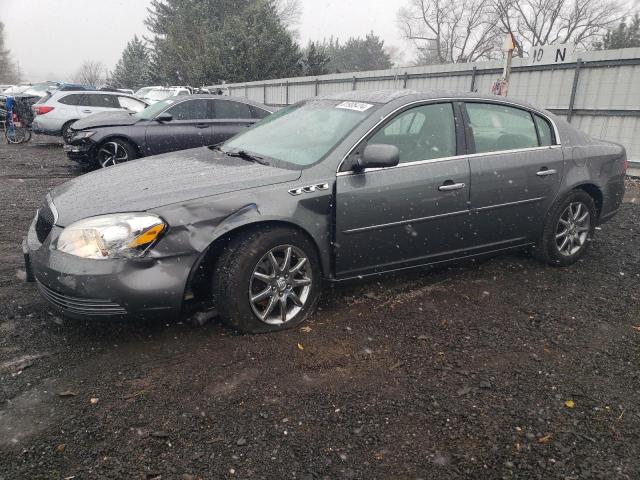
<point x="455" y="99"/>
<point x="444" y="159"/>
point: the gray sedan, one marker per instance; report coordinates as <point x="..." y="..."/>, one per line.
<point x="333" y="188"/>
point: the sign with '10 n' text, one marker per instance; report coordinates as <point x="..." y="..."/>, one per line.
<point x="547" y="54"/>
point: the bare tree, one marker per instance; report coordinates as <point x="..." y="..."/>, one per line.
<point x="396" y="55"/>
<point x="542" y="22"/>
<point x="91" y="73"/>
<point x="451" y="31"/>
<point x="289" y="12"/>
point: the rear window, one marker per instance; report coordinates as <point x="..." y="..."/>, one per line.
<point x="104" y="101"/>
<point x="228" y="109"/>
<point x="259" y="112"/>
<point x="544" y="131"/>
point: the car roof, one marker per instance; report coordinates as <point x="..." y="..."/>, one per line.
<point x="59" y="93"/>
<point x="387" y="96"/>
<point x="212" y="96"/>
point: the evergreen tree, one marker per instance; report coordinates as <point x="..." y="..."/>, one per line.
<point x="315" y="60"/>
<point x="200" y="42"/>
<point x="257" y="46"/>
<point x="623" y="36"/>
<point x="8" y="70"/>
<point x="133" y="69"/>
<point x="357" y="54"/>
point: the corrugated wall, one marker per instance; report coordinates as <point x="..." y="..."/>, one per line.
<point x="606" y="97"/>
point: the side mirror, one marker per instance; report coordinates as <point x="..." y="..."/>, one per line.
<point x="164" y="117"/>
<point x="378" y="155"/>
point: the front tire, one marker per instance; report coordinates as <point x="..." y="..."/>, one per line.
<point x="267" y="280"/>
<point x="568" y="229"/>
<point x="114" y="151"/>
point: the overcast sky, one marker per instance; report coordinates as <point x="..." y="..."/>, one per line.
<point x="51" y="38"/>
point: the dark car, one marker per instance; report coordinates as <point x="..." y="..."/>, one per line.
<point x="177" y="123"/>
<point x="333" y="188"/>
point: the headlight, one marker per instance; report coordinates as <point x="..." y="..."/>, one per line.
<point x="82" y="135"/>
<point x="122" y="235"/>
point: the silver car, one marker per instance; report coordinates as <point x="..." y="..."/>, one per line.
<point x="55" y="113"/>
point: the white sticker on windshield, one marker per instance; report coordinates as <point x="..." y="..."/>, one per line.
<point x="357" y="106"/>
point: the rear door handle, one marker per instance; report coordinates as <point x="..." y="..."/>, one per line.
<point x="87" y="111"/>
<point x="202" y="125"/>
<point x="546" y="171"/>
<point x="446" y="187"/>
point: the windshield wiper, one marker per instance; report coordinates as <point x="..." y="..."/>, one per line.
<point x="247" y="156"/>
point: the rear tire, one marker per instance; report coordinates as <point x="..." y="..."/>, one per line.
<point x="568" y="229"/>
<point x="114" y="151"/>
<point x="267" y="280"/>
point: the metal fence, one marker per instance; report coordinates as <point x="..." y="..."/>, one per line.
<point x="599" y="92"/>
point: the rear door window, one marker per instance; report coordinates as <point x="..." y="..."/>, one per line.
<point x="104" y="101"/>
<point x="74" y="99"/>
<point x="499" y="127"/>
<point x="190" y="110"/>
<point x="228" y="109"/>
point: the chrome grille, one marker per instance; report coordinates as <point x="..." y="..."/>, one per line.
<point x="82" y="306"/>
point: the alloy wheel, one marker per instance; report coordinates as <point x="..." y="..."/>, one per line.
<point x="112" y="153"/>
<point x="573" y="228"/>
<point x="280" y="285"/>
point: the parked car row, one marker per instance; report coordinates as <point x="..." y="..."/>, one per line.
<point x="177" y="123"/>
<point x="334" y="188"/>
<point x="56" y="112"/>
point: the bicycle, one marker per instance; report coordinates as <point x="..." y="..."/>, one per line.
<point x="14" y="130"/>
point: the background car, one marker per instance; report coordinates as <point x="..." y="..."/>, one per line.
<point x="173" y="124"/>
<point x="56" y="112"/>
<point x="15" y="89"/>
<point x="333" y="188"/>
<point x="141" y="92"/>
<point x="160" y="93"/>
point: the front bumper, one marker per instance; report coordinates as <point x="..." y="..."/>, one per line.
<point x="83" y="152"/>
<point x="107" y="289"/>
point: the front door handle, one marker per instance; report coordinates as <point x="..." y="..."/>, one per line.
<point x="202" y="125"/>
<point x="449" y="185"/>
<point x="544" y="171"/>
<point x="86" y="111"/>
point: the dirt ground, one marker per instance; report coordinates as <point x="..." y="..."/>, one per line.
<point x="499" y="369"/>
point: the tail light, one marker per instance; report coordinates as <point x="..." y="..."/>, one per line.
<point x="42" y="109"/>
<point x="626" y="165"/>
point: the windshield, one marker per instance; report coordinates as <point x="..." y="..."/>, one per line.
<point x="153" y="110"/>
<point x="141" y="92"/>
<point x="158" y="94"/>
<point x="301" y="134"/>
<point x="38" y="90"/>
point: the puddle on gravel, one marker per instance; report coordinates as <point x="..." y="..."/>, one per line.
<point x="30" y="412"/>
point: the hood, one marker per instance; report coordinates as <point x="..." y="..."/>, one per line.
<point x="105" y="119"/>
<point x="161" y="180"/>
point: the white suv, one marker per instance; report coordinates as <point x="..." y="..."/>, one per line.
<point x="55" y="113"/>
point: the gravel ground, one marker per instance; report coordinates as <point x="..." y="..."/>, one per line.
<point x="498" y="369"/>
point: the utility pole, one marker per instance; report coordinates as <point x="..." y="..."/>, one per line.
<point x="501" y="86"/>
